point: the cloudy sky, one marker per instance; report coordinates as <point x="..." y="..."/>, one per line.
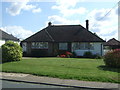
<point x="24" y="18"/>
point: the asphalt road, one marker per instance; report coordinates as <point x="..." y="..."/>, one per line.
<point x="11" y="84"/>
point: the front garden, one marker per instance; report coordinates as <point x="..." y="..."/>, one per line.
<point x="100" y="70"/>
<point x="65" y="68"/>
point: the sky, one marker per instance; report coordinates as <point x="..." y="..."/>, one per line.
<point x="23" y="18"/>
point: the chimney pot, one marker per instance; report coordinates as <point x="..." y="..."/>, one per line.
<point x="87" y="24"/>
<point x="49" y="24"/>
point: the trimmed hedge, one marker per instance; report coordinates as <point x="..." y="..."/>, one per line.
<point x="11" y="52"/>
<point x="112" y="58"/>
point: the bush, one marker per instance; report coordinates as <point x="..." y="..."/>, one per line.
<point x="74" y="55"/>
<point x="11" y="52"/>
<point x="88" y="54"/>
<point x="66" y="54"/>
<point x="112" y="58"/>
<point x="96" y="56"/>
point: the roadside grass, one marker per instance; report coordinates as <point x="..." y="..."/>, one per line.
<point x="65" y="68"/>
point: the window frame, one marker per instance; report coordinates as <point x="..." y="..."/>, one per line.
<point x="82" y="46"/>
<point x="39" y="45"/>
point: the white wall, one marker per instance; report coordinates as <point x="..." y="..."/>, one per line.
<point x="105" y="51"/>
<point x="2" y="42"/>
<point x="16" y="42"/>
<point x="96" y="50"/>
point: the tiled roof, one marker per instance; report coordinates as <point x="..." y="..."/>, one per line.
<point x="64" y="33"/>
<point x="6" y="36"/>
<point x="112" y="42"/>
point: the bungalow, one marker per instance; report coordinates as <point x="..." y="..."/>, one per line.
<point x="6" y="37"/>
<point x="112" y="44"/>
<point x="55" y="39"/>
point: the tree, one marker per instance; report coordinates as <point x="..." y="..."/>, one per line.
<point x="11" y="52"/>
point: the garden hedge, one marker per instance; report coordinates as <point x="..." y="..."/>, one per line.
<point x="11" y="52"/>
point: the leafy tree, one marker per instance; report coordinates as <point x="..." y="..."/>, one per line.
<point x="11" y="52"/>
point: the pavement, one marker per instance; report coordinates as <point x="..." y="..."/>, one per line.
<point x="27" y="78"/>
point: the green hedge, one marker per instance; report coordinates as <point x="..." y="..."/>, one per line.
<point x="11" y="52"/>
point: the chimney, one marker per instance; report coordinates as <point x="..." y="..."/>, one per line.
<point x="49" y="24"/>
<point x="87" y="24"/>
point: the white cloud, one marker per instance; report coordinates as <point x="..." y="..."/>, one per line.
<point x="61" y="20"/>
<point x="105" y="26"/>
<point x="36" y="10"/>
<point x="29" y="7"/>
<point x="67" y="8"/>
<point x="17" y="31"/>
<point x="66" y="3"/>
<point x="17" y="7"/>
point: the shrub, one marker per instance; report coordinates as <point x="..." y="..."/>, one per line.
<point x="62" y="55"/>
<point x="74" y="55"/>
<point x="66" y="54"/>
<point x="88" y="54"/>
<point x="112" y="58"/>
<point x="11" y="52"/>
<point x="96" y="56"/>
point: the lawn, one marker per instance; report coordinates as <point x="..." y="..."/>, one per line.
<point x="66" y="68"/>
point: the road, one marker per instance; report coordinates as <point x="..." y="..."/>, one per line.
<point x="11" y="84"/>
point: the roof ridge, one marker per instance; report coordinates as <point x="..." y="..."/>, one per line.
<point x="115" y="40"/>
<point x="49" y="35"/>
<point x="67" y="25"/>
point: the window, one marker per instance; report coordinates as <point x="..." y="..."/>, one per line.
<point x="41" y="45"/>
<point x="24" y="46"/>
<point x="62" y="46"/>
<point x="89" y="46"/>
<point x="78" y="45"/>
<point x="82" y="46"/>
